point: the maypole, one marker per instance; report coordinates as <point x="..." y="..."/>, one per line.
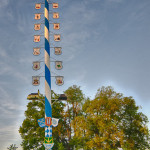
<point x="48" y="108"/>
<point x="47" y="122"/>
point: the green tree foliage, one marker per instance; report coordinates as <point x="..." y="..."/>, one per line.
<point x="32" y="134"/>
<point x="111" y="121"/>
<point x="59" y="132"/>
<point x="60" y="146"/>
<point x="12" y="147"/>
<point x="75" y="98"/>
<point x="108" y="122"/>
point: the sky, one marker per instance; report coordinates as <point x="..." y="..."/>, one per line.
<point x="104" y="43"/>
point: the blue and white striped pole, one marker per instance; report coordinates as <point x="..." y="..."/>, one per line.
<point x="48" y="142"/>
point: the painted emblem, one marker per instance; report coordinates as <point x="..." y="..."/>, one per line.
<point x="56" y="37"/>
<point x="54" y="122"/>
<point x="59" y="80"/>
<point x="58" y="50"/>
<point x="36" y="65"/>
<point x="36" y="38"/>
<point x="58" y="65"/>
<point x="35" y="80"/>
<point x="37" y="6"/>
<point x="48" y="146"/>
<point x="55" y="5"/>
<point x="48" y="121"/>
<point x="37" y="26"/>
<point x="55" y="15"/>
<point x="36" y="51"/>
<point x="56" y="26"/>
<point x="37" y="16"/>
<point x="41" y="122"/>
<point x="48" y="140"/>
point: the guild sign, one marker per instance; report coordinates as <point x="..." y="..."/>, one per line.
<point x="36" y="51"/>
<point x="56" y="26"/>
<point x="36" y="38"/>
<point x="56" y="37"/>
<point x="57" y="50"/>
<point x="55" y="5"/>
<point x="48" y="140"/>
<point x="41" y="122"/>
<point x="48" y="121"/>
<point x="55" y="15"/>
<point x="59" y="80"/>
<point x="48" y="146"/>
<point x="37" y="16"/>
<point x="37" y="6"/>
<point x="36" y="65"/>
<point x="58" y="65"/>
<point x="37" y="26"/>
<point x="35" y="80"/>
<point x="55" y="122"/>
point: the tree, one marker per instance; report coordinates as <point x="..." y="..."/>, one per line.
<point x="12" y="147"/>
<point x="75" y="98"/>
<point x="32" y="134"/>
<point x="60" y="146"/>
<point x="108" y="122"/>
<point x="111" y="121"/>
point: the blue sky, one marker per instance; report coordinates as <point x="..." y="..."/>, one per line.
<point x="105" y="42"/>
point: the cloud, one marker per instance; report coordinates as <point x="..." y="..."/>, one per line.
<point x="8" y="107"/>
<point x="10" y="116"/>
<point x="76" y="31"/>
<point x="9" y="135"/>
<point x="4" y="3"/>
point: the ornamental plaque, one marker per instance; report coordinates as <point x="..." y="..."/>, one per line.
<point x="37" y="27"/>
<point x="55" y="5"/>
<point x="36" y="51"/>
<point x="36" y="38"/>
<point x="57" y="50"/>
<point x="57" y="37"/>
<point x="37" y="6"/>
<point x="58" y="65"/>
<point x="55" y="15"/>
<point x="36" y="65"/>
<point x="35" y="80"/>
<point x="59" y="80"/>
<point x="56" y="26"/>
<point x="37" y="16"/>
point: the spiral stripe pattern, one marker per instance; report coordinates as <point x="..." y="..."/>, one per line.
<point x="48" y="109"/>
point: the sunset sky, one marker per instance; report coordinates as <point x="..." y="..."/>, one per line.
<point x="104" y="42"/>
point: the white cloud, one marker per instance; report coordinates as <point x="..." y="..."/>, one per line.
<point x="9" y="107"/>
<point x="9" y="132"/>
